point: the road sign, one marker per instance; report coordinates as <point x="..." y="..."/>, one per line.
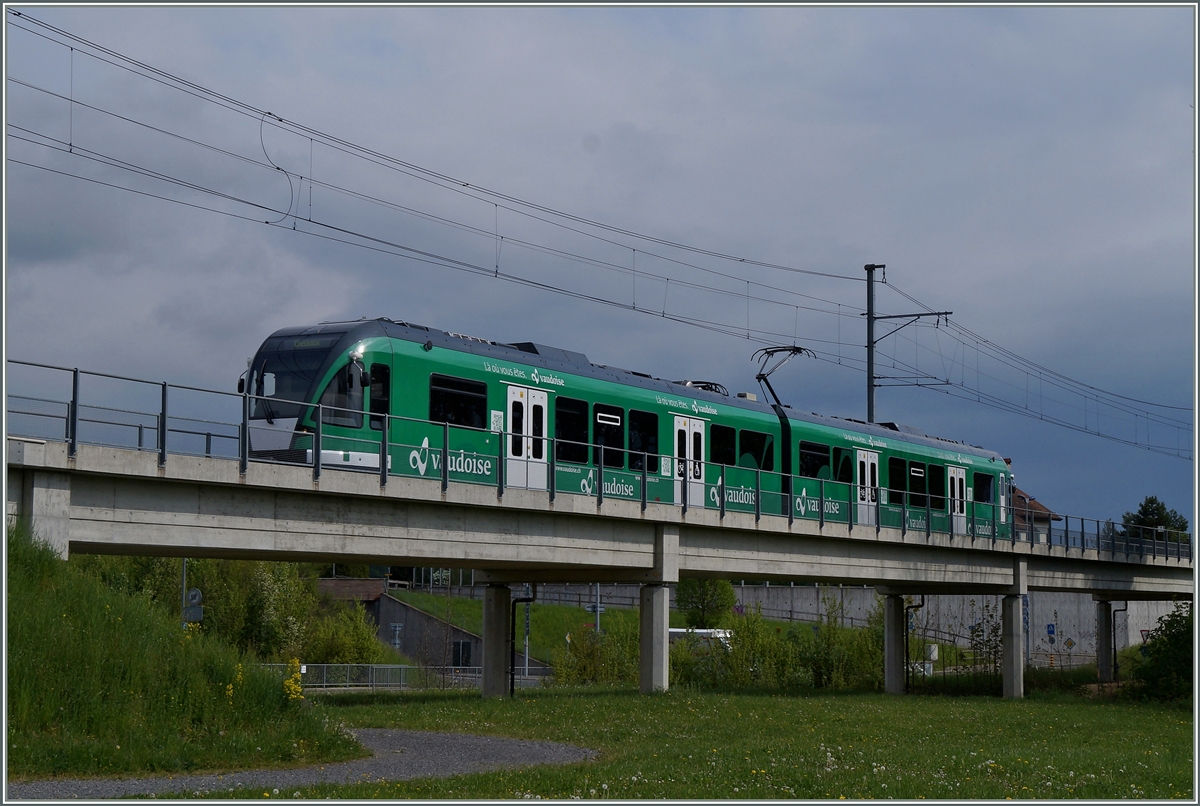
<point x="591" y="608"/>
<point x="1049" y="629"/>
<point x="1051" y="640"/>
<point x="194" y="596"/>
<point x="193" y="613"/>
<point x="1069" y="644"/>
<point x="1145" y="635"/>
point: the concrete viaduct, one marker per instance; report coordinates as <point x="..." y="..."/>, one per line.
<point x="106" y="500"/>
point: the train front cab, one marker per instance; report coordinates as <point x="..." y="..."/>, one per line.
<point x="347" y="372"/>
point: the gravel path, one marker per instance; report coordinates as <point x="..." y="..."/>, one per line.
<point x="399" y="754"/>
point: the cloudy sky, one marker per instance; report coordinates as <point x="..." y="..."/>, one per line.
<point x="1029" y="169"/>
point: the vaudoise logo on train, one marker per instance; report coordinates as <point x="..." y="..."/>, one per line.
<point x="456" y="461"/>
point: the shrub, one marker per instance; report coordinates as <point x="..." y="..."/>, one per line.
<point x="1166" y="672"/>
<point x="606" y="658"/>
<point x="344" y="634"/>
<point x="838" y="657"/>
<point x="754" y="655"/>
<point x="270" y="609"/>
<point x="758" y="656"/>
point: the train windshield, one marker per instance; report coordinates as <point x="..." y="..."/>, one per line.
<point x="283" y="373"/>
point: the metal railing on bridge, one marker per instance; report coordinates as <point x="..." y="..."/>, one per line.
<point x="241" y="426"/>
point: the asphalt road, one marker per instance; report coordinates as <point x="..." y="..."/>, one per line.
<point x="399" y="755"/>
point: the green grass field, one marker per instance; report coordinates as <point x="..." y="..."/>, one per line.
<point x="686" y="744"/>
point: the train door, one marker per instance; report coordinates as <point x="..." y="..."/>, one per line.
<point x="868" y="486"/>
<point x="689" y="459"/>
<point x="1003" y="487"/>
<point x="526" y="444"/>
<point x="958" y="498"/>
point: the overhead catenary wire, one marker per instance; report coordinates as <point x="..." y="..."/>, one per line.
<point x="1117" y="402"/>
<point x="348" y="146"/>
<point x="47" y="141"/>
<point x="975" y="337"/>
<point x="270" y="165"/>
<point x="390" y="247"/>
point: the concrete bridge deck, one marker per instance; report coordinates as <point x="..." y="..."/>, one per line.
<point x="120" y="501"/>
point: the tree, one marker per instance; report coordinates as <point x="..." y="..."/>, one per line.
<point x="705" y="602"/>
<point x="1153" y="513"/>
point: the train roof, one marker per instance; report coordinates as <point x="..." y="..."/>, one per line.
<point x="559" y="359"/>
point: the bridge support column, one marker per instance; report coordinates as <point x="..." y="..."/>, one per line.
<point x="1105" y="650"/>
<point x="497" y="609"/>
<point x="45" y="506"/>
<point x="893" y="644"/>
<point x="654" y="637"/>
<point x="1012" y="663"/>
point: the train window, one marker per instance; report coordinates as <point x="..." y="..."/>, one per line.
<point x="681" y="452"/>
<point x="286" y="370"/>
<point x="643" y="438"/>
<point x="983" y="488"/>
<point x="936" y="483"/>
<point x="570" y="430"/>
<point x="916" y="485"/>
<point x="843" y="463"/>
<point x="896" y="481"/>
<point x="814" y="460"/>
<point x="539" y="417"/>
<point x="610" y="432"/>
<point x="457" y="401"/>
<point x="697" y="455"/>
<point x="757" y="450"/>
<point x="516" y="424"/>
<point x="724" y="445"/>
<point x="381" y="390"/>
<point x="343" y="399"/>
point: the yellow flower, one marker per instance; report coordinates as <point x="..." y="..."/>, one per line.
<point x="291" y="684"/>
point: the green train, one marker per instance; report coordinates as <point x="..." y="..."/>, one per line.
<point x="530" y="416"/>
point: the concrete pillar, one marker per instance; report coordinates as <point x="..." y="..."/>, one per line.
<point x="654" y="660"/>
<point x="666" y="552"/>
<point x="1012" y="663"/>
<point x="893" y="644"/>
<point x="497" y="610"/>
<point x="45" y="507"/>
<point x="1105" y="651"/>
